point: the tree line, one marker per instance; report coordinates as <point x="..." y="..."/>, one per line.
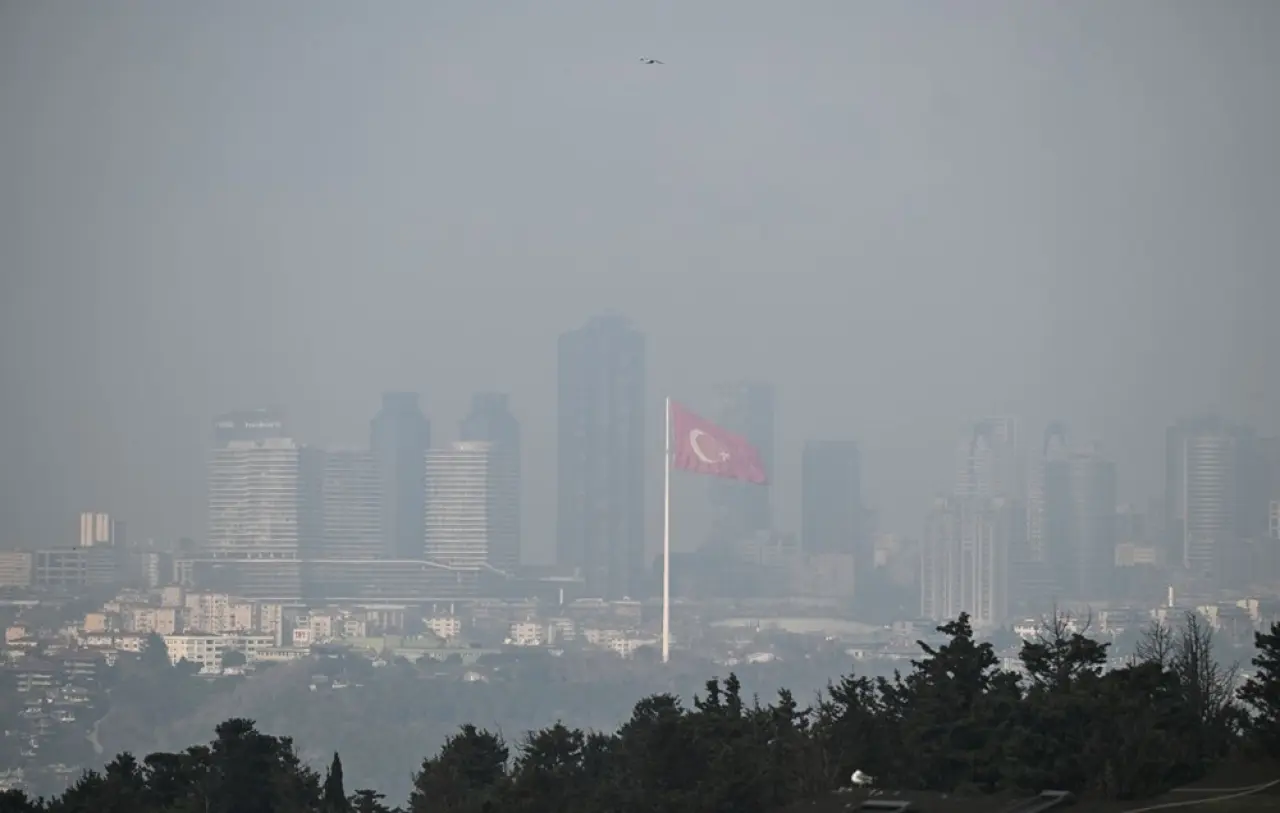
<point x="955" y="722"/>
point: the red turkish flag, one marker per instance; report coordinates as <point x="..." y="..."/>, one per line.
<point x="699" y="446"/>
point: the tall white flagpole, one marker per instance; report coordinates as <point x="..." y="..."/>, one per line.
<point x="666" y="535"/>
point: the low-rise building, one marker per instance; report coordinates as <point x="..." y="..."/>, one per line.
<point x="207" y="650"/>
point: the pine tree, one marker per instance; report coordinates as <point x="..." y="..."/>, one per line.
<point x="335" y="796"/>
<point x="1261" y="692"/>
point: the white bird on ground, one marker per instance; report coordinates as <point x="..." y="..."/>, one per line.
<point x="861" y="779"/>
<point x="650" y="61"/>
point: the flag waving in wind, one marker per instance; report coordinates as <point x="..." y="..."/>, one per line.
<point x="699" y="446"/>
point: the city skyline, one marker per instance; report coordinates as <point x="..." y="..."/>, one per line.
<point x="988" y="222"/>
<point x="266" y="429"/>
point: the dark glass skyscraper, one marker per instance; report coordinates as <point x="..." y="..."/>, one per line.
<point x="831" y="513"/>
<point x="1080" y="523"/>
<point x="399" y="438"/>
<point x="490" y="421"/>
<point x="742" y="510"/>
<point x="601" y="460"/>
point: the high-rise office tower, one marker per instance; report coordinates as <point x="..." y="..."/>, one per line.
<point x="964" y="559"/>
<point x="1080" y="509"/>
<point x="1256" y="461"/>
<point x="742" y="510"/>
<point x="351" y="506"/>
<point x="1201" y="467"/>
<point x="469" y="494"/>
<point x="832" y="519"/>
<point x="100" y="529"/>
<point x="1053" y="446"/>
<point x="399" y="437"/>
<point x="989" y="460"/>
<point x="490" y="421"/>
<point x="257" y="500"/>
<point x="601" y="459"/>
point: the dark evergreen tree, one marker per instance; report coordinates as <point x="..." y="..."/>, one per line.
<point x="155" y="655"/>
<point x="466" y="775"/>
<point x="335" y="796"/>
<point x="17" y="801"/>
<point x="368" y="801"/>
<point x="1261" y="693"/>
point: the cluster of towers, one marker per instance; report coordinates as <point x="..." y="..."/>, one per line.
<point x="1034" y="523"/>
<point x="286" y="513"/>
<point x="280" y="510"/>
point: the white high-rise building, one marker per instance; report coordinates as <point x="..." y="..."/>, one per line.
<point x="468" y="498"/>
<point x="964" y="560"/>
<point x="256" y="500"/>
<point x="96" y="529"/>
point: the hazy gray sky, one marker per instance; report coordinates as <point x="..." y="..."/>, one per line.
<point x="903" y="214"/>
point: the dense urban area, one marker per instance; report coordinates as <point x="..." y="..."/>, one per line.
<point x="385" y="587"/>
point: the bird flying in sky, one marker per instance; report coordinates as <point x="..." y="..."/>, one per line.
<point x="650" y="61"/>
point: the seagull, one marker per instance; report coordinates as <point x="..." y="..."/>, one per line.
<point x="650" y="61"/>
<point x="861" y="779"/>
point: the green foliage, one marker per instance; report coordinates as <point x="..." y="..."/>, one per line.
<point x="955" y="723"/>
<point x="1261" y="693"/>
<point x="335" y="797"/>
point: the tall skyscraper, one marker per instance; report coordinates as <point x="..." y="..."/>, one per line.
<point x="964" y="559"/>
<point x="1200" y="494"/>
<point x="351" y="512"/>
<point x="490" y="421"/>
<point x="1080" y="508"/>
<point x="256" y="500"/>
<point x="399" y="437"/>
<point x="990" y="460"/>
<point x="832" y="520"/>
<point x="742" y="510"/>
<point x="469" y="494"/>
<point x="601" y="460"/>
<point x="99" y="529"/>
<point x="1052" y="446"/>
<point x="1257" y="462"/>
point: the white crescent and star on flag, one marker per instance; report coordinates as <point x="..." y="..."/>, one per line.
<point x="717" y="453"/>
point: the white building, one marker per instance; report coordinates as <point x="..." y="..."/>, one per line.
<point x="146" y="620"/>
<point x="255" y="500"/>
<point x="96" y="529"/>
<point x="218" y="613"/>
<point x="964" y="560"/>
<point x="469" y="493"/>
<point x="207" y="650"/>
<point x="526" y="633"/>
<point x="445" y="626"/>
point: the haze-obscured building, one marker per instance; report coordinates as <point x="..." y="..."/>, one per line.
<point x="399" y="436"/>
<point x="741" y="510"/>
<point x="964" y="559"/>
<point x="490" y="421"/>
<point x="832" y="518"/>
<point x="600" y="468"/>
<point x="470" y="493"/>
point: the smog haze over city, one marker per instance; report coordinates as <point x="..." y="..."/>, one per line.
<point x="339" y="343"/>
<point x="902" y="215"/>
